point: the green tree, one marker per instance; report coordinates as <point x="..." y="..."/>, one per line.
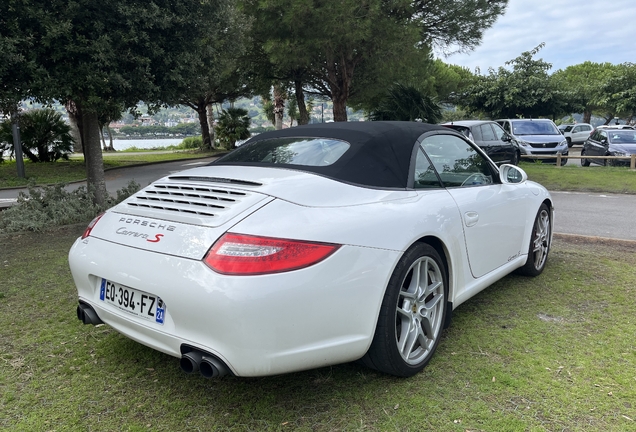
<point x="583" y="87"/>
<point x="225" y="72"/>
<point x="45" y="135"/>
<point x="96" y="54"/>
<point x="233" y="125"/>
<point x="406" y="103"/>
<point x="524" y="90"/>
<point x="618" y="92"/>
<point x="335" y="43"/>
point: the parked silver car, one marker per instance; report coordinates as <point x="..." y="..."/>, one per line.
<point x="537" y="137"/>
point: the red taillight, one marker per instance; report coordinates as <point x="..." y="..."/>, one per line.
<point x="91" y="225"/>
<point x="237" y="254"/>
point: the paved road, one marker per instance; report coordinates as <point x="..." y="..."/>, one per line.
<point x="591" y="214"/>
<point x="119" y="178"/>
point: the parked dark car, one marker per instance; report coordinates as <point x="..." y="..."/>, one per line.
<point x="496" y="142"/>
<point x="609" y="142"/>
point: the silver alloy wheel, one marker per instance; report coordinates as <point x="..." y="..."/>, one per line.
<point x="420" y="310"/>
<point x="541" y="241"/>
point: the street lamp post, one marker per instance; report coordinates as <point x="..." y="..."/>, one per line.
<point x="17" y="145"/>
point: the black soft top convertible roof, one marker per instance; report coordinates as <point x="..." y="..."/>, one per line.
<point x="379" y="154"/>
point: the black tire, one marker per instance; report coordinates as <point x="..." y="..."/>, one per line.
<point x="397" y="348"/>
<point x="569" y="140"/>
<point x="584" y="162"/>
<point x="515" y="158"/>
<point x="563" y="162"/>
<point x="539" y="243"/>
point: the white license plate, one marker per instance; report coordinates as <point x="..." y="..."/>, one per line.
<point x="138" y="303"/>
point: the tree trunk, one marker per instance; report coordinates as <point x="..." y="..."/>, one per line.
<point x="339" y="109"/>
<point x="210" y="113"/>
<point x="303" y="115"/>
<point x="279" y="107"/>
<point x="339" y="70"/>
<point x="75" y="129"/>
<point x="101" y="137"/>
<point x="110" y="138"/>
<point x="587" y="116"/>
<point x="201" y="108"/>
<point x="95" y="179"/>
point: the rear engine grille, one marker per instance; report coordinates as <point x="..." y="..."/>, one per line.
<point x="544" y="145"/>
<point x="188" y="199"/>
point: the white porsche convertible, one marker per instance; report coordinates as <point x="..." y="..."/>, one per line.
<point x="312" y="246"/>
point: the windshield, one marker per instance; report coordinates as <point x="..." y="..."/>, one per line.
<point x="304" y="151"/>
<point x="622" y="136"/>
<point x="534" y="128"/>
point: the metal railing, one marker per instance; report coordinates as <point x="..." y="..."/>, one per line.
<point x="559" y="157"/>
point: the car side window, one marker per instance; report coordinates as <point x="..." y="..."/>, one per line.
<point x="425" y="176"/>
<point x="577" y="129"/>
<point x="506" y="126"/>
<point x="499" y="132"/>
<point x="457" y="163"/>
<point x="486" y="133"/>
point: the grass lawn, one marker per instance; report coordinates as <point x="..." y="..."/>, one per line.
<point x="74" y="169"/>
<point x="551" y="353"/>
<point x="583" y="179"/>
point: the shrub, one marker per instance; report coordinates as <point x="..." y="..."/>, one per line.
<point x="45" y="207"/>
<point x="191" y="143"/>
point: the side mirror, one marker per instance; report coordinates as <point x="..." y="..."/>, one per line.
<point x="512" y="174"/>
<point x="506" y="138"/>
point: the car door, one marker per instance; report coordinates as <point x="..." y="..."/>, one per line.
<point x="507" y="149"/>
<point x="597" y="144"/>
<point x="489" y="142"/>
<point x="494" y="215"/>
<point x="580" y="133"/>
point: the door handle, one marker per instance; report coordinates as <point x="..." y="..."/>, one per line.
<point x="471" y="218"/>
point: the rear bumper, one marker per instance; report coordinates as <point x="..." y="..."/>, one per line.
<point x="257" y="325"/>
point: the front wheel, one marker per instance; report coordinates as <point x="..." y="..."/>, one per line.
<point x="539" y="243"/>
<point x="584" y="162"/>
<point x="412" y="314"/>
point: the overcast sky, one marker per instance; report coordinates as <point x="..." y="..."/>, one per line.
<point x="574" y="31"/>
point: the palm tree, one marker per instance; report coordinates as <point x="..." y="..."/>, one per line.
<point x="233" y="125"/>
<point x="44" y="134"/>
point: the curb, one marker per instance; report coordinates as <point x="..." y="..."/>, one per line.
<point x="576" y="238"/>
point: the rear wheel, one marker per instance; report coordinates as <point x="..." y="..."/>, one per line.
<point x="412" y="314"/>
<point x="539" y="243"/>
<point x="515" y="158"/>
